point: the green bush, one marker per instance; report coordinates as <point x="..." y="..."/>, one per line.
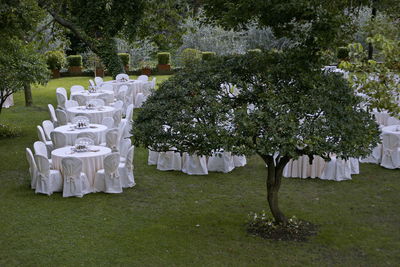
<point x="252" y="51"/>
<point x="125" y="58"/>
<point x="74" y="61"/>
<point x="163" y="58"/>
<point x="8" y="131"/>
<point x="55" y="59"/>
<point x="190" y="56"/>
<point x="207" y="55"/>
<point x="342" y="53"/>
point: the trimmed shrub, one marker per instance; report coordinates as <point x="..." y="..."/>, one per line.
<point x="207" y="55"/>
<point x="163" y="58"/>
<point x="190" y="56"/>
<point x="74" y="61"/>
<point x="251" y="51"/>
<point x="55" y="59"/>
<point x="342" y="53"/>
<point x="125" y="58"/>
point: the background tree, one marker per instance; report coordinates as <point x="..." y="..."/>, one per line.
<point x="279" y="111"/>
<point x="97" y="24"/>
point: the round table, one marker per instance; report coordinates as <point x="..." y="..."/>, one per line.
<point x="92" y="161"/>
<point x="72" y="133"/>
<point x="137" y="86"/>
<point x="391" y="136"/>
<point x="95" y="115"/>
<point x="90" y="96"/>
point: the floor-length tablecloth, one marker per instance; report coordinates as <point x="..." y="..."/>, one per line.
<point x="72" y="133"/>
<point x="95" y="115"/>
<point x="90" y="96"/>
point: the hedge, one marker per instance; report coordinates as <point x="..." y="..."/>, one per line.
<point x="189" y="56"/>
<point x="342" y="53"/>
<point x="207" y="55"/>
<point x="55" y="59"/>
<point x="163" y="58"/>
<point x="125" y="58"/>
<point x="74" y="61"/>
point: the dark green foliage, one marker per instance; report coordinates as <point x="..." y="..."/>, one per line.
<point x="190" y="56"/>
<point x="74" y="61"/>
<point x="9" y="131"/>
<point x="207" y="55"/>
<point x="55" y="59"/>
<point x="108" y="55"/>
<point x="250" y="51"/>
<point x="342" y="53"/>
<point x="163" y="57"/>
<point x="125" y="58"/>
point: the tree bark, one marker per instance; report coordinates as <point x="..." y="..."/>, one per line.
<point x="273" y="183"/>
<point x="28" y="95"/>
<point x="373" y="15"/>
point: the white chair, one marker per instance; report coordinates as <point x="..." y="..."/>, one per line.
<point x="42" y="138"/>
<point x="337" y="170"/>
<point x="169" y="161"/>
<point x="112" y="140"/>
<point x="140" y="98"/>
<point x="32" y="167"/>
<point x="194" y="165"/>
<point x="40" y="149"/>
<point x="91" y="82"/>
<point x="118" y="105"/>
<point x="126" y="169"/>
<point x="152" y="158"/>
<point x="48" y="181"/>
<point x="98" y="81"/>
<point x="122" y="130"/>
<point x="144" y="78"/>
<point x="107" y="98"/>
<point x="122" y="76"/>
<point x="48" y="127"/>
<point x="153" y="83"/>
<point x="375" y="157"/>
<point x="108" y="179"/>
<point x="221" y="162"/>
<point x="61" y="99"/>
<point x="107" y="87"/>
<point x="80" y="118"/>
<point x="129" y="95"/>
<point x="81" y="99"/>
<point x="71" y="103"/>
<point x="122" y="93"/>
<point x="76" y="182"/>
<point x="239" y="161"/>
<point x="393" y="121"/>
<point x="59" y="139"/>
<point x="76" y="88"/>
<point x="391" y="151"/>
<point x="117" y="116"/>
<point x="62" y="91"/>
<point x="53" y="117"/>
<point x="62" y="117"/>
<point x="90" y="135"/>
<point x="354" y="166"/>
<point x="108" y="121"/>
<point x="124" y="146"/>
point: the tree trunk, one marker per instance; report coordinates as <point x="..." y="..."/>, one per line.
<point x="273" y="183"/>
<point x="28" y="95"/>
<point x="373" y="15"/>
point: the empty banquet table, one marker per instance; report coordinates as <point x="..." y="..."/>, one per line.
<point x="92" y="95"/>
<point x="92" y="160"/>
<point x="71" y="132"/>
<point x="95" y="115"/>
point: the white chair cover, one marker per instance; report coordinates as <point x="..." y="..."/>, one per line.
<point x="32" y="167"/>
<point x="108" y="179"/>
<point x="144" y="78"/>
<point x="98" y="81"/>
<point x="76" y="88"/>
<point x="40" y="148"/>
<point x="118" y="105"/>
<point x="108" y="121"/>
<point x="48" y="181"/>
<point x="153" y="83"/>
<point x="81" y="99"/>
<point x="194" y="165"/>
<point x="391" y="151"/>
<point x="239" y="161"/>
<point x="122" y="128"/>
<point x="122" y="93"/>
<point x="80" y="118"/>
<point x="91" y="82"/>
<point x="62" y="91"/>
<point x="122" y="76"/>
<point x="140" y="98"/>
<point x="169" y="161"/>
<point x="117" y="118"/>
<point x="221" y="162"/>
<point x="337" y="170"/>
<point x="52" y="115"/>
<point x="90" y="135"/>
<point x="354" y="165"/>
<point x="61" y="99"/>
<point x="375" y="157"/>
<point x="153" y="157"/>
<point x="393" y="121"/>
<point x="41" y="136"/>
<point x="301" y="167"/>
<point x="48" y="127"/>
<point x="62" y="117"/>
<point x="107" y="87"/>
<point x="107" y="98"/>
<point x="75" y="181"/>
<point x="71" y="103"/>
<point x="59" y="139"/>
<point x="126" y="169"/>
<point x="124" y="146"/>
<point x="112" y="139"/>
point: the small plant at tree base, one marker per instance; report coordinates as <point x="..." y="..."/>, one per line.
<point x="74" y="61"/>
<point x="55" y="59"/>
<point x="8" y="131"/>
<point x="265" y="226"/>
<point x="163" y="58"/>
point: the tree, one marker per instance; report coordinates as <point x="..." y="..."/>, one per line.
<point x="278" y="109"/>
<point x="97" y="24"/>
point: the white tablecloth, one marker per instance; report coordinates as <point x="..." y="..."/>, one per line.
<point x="302" y="168"/>
<point x="72" y="133"/>
<point x="91" y="161"/>
<point x="9" y="102"/>
<point x="136" y="85"/>
<point x="90" y="96"/>
<point x="95" y="115"/>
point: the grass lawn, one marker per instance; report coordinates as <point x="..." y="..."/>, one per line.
<point x="172" y="219"/>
